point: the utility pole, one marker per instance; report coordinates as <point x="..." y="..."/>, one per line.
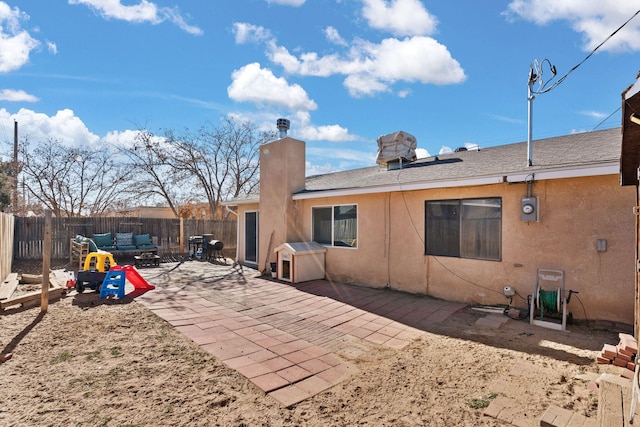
<point x="535" y="76"/>
<point x="530" y="98"/>
<point x="16" y="169"/>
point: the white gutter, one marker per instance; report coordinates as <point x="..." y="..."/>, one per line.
<point x="240" y="202"/>
<point x="606" y="169"/>
<point x="610" y="169"/>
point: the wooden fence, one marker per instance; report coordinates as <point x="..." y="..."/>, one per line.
<point x="6" y="244"/>
<point x="171" y="235"/>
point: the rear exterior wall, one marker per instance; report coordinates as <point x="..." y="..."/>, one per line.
<point x="574" y="214"/>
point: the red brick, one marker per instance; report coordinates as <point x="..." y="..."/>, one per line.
<point x="269" y="382"/>
<point x="631" y="365"/>
<point x="603" y="361"/>
<point x="253" y="370"/>
<point x="620" y="362"/>
<point x="629" y="343"/>
<point x="289" y="395"/>
<point x="609" y="351"/>
<point x="294" y="373"/>
<point x="627" y="337"/>
<point x="627" y="374"/>
<point x="313" y="385"/>
<point x="622" y="355"/>
<point x="621" y="350"/>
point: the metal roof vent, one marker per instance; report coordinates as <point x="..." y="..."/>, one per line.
<point x="395" y="149"/>
<point x="283" y="127"/>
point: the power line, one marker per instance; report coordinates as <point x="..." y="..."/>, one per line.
<point x="607" y="118"/>
<point x="561" y="79"/>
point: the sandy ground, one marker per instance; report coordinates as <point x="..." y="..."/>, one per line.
<point x="93" y="362"/>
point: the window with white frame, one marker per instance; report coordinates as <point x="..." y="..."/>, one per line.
<point x="335" y="225"/>
<point x="464" y="228"/>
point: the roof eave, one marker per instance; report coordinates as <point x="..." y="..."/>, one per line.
<point x="609" y="168"/>
<point x="238" y="202"/>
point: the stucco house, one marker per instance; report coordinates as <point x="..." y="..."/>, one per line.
<point x="458" y="226"/>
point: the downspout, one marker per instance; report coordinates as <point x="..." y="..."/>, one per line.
<point x="231" y="211"/>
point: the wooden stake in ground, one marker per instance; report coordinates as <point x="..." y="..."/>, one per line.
<point x="46" y="261"/>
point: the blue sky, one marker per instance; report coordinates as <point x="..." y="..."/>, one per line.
<point x="344" y="72"/>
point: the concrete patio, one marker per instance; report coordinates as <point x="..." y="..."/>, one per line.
<point x="291" y="341"/>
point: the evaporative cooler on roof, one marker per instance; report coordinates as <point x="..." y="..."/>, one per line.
<point x="397" y="147"/>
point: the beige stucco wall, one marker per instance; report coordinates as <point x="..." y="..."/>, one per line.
<point x="574" y="213"/>
<point x="282" y="173"/>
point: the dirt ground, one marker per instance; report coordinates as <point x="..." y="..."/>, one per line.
<point x="93" y="362"/>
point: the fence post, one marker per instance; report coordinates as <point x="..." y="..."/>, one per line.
<point x="181" y="235"/>
<point x="46" y="261"/>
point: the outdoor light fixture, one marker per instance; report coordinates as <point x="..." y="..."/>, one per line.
<point x="634" y="118"/>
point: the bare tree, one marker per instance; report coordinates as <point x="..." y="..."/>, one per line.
<point x="243" y="142"/>
<point x="155" y="178"/>
<point x="5" y="185"/>
<point x="71" y="181"/>
<point x="222" y="160"/>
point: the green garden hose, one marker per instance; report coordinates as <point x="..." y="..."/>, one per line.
<point x="548" y="301"/>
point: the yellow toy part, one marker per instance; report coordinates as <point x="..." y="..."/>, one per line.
<point x="99" y="261"/>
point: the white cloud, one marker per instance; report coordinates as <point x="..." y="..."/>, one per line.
<point x="15" y="43"/>
<point x="53" y="48"/>
<point x="594" y="114"/>
<point x="64" y="126"/>
<point x="400" y="17"/>
<point x="594" y="20"/>
<point x="246" y="33"/>
<point x="13" y="95"/>
<point x="347" y="156"/>
<point x="445" y="150"/>
<point x="173" y="15"/>
<point x="294" y="3"/>
<point x="325" y="133"/>
<point x="334" y="36"/>
<point x="128" y="139"/>
<point x="304" y="129"/>
<point x="504" y="118"/>
<point x="258" y="85"/>
<point x="145" y="11"/>
<point x="372" y="67"/>
<point x="125" y="138"/>
<point x="363" y="84"/>
<point x="311" y="169"/>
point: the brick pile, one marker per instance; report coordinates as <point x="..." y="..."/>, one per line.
<point x="623" y="354"/>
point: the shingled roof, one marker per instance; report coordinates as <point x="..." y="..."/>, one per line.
<point x="580" y="154"/>
<point x="589" y="153"/>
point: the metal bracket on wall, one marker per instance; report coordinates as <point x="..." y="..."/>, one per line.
<point x="636" y="210"/>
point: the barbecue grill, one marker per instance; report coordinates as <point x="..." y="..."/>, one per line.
<point x="206" y="247"/>
<point x="214" y="250"/>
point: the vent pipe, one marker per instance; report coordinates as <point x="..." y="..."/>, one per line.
<point x="283" y="126"/>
